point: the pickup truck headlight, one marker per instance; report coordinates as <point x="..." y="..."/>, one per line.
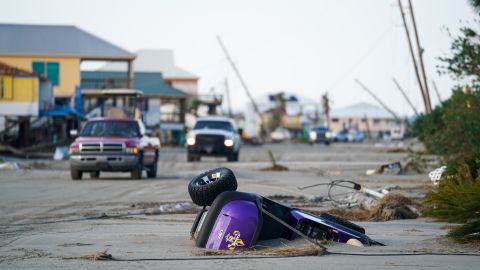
<point x="329" y="134"/>
<point x="191" y="141"/>
<point x="132" y="150"/>
<point x="228" y="142"/>
<point x="313" y="135"/>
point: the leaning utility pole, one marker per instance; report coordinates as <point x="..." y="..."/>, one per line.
<point x="405" y="96"/>
<point x="420" y="56"/>
<point x="377" y="99"/>
<point x="245" y="87"/>
<point x="417" y="73"/>
<point x="436" y="91"/>
<point x="227" y="93"/>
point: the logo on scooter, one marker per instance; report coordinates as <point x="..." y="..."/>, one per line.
<point x="234" y="240"/>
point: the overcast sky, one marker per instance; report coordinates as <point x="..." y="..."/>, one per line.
<point x="298" y="46"/>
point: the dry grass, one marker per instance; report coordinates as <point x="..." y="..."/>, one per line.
<point x="287" y="251"/>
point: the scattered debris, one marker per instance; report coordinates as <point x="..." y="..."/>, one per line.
<point x="97" y="256"/>
<point x="436" y="174"/>
<point x="10" y="166"/>
<point x="391" y="168"/>
<point x="74" y="245"/>
<point x="275" y="166"/>
<point x="61" y="153"/>
<point x="169" y="208"/>
<point x="355" y="243"/>
<point x="392" y="206"/>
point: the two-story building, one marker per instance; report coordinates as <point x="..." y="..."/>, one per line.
<point x="56" y="52"/>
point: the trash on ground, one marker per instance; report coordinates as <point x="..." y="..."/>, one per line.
<point x="170" y="208"/>
<point x="61" y="153"/>
<point x="436" y="174"/>
<point x="10" y="166"/>
<point x="391" y="168"/>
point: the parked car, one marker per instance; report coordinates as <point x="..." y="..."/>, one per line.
<point x="356" y="136"/>
<point x="280" y="135"/>
<point x="115" y="145"/>
<point x="341" y="136"/>
<point x="320" y="134"/>
<point x="213" y="136"/>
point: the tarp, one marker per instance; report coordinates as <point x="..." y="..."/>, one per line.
<point x="62" y="111"/>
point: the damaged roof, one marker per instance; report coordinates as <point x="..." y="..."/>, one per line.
<point x="153" y="61"/>
<point x="57" y="40"/>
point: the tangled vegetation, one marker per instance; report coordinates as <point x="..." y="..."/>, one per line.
<point x="452" y="131"/>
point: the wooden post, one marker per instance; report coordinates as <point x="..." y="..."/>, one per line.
<point x="130" y="74"/>
<point x="405" y="96"/>
<point x="412" y="54"/>
<point x="420" y="56"/>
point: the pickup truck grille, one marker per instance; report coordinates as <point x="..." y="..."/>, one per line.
<point x="87" y="148"/>
<point x="213" y="140"/>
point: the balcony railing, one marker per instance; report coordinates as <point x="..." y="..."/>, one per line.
<point x="105" y="83"/>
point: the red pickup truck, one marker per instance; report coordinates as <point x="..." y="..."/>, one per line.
<point x="115" y="145"/>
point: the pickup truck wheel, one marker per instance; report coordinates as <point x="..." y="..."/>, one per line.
<point x="204" y="188"/>
<point x="95" y="174"/>
<point x="190" y="158"/>
<point x="232" y="157"/>
<point x="76" y="174"/>
<point x="137" y="172"/>
<point x="152" y="169"/>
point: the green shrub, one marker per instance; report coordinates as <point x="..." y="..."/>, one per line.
<point x="457" y="199"/>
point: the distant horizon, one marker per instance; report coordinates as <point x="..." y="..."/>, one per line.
<point x="306" y="47"/>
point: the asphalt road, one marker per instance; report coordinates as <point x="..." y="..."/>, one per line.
<point x="42" y="214"/>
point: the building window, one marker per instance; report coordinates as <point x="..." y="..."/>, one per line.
<point x="49" y="70"/>
<point x="335" y="120"/>
<point x="376" y="122"/>
<point x="6" y="88"/>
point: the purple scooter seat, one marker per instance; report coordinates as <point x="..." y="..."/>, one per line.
<point x="235" y="220"/>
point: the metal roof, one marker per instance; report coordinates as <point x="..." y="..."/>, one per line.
<point x="360" y="110"/>
<point x="57" y="40"/>
<point x="150" y="83"/>
<point x="154" y="61"/>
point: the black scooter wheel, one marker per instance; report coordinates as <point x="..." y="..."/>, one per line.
<point x="204" y="188"/>
<point x="343" y="222"/>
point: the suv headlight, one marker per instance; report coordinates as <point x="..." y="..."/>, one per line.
<point x="191" y="141"/>
<point x="228" y="142"/>
<point x="328" y="134"/>
<point x="313" y="135"/>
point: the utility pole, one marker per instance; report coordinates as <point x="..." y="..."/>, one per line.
<point x="245" y="87"/>
<point x="227" y="93"/>
<point x="417" y="73"/>
<point x="405" y="96"/>
<point x="420" y="56"/>
<point x="377" y="99"/>
<point x="436" y="91"/>
<point x="326" y="108"/>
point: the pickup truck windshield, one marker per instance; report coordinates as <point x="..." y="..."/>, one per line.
<point x="214" y="125"/>
<point x="110" y="128"/>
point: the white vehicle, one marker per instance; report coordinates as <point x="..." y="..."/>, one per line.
<point x="213" y="136"/>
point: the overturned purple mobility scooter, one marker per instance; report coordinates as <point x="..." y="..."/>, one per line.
<point x="238" y="220"/>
